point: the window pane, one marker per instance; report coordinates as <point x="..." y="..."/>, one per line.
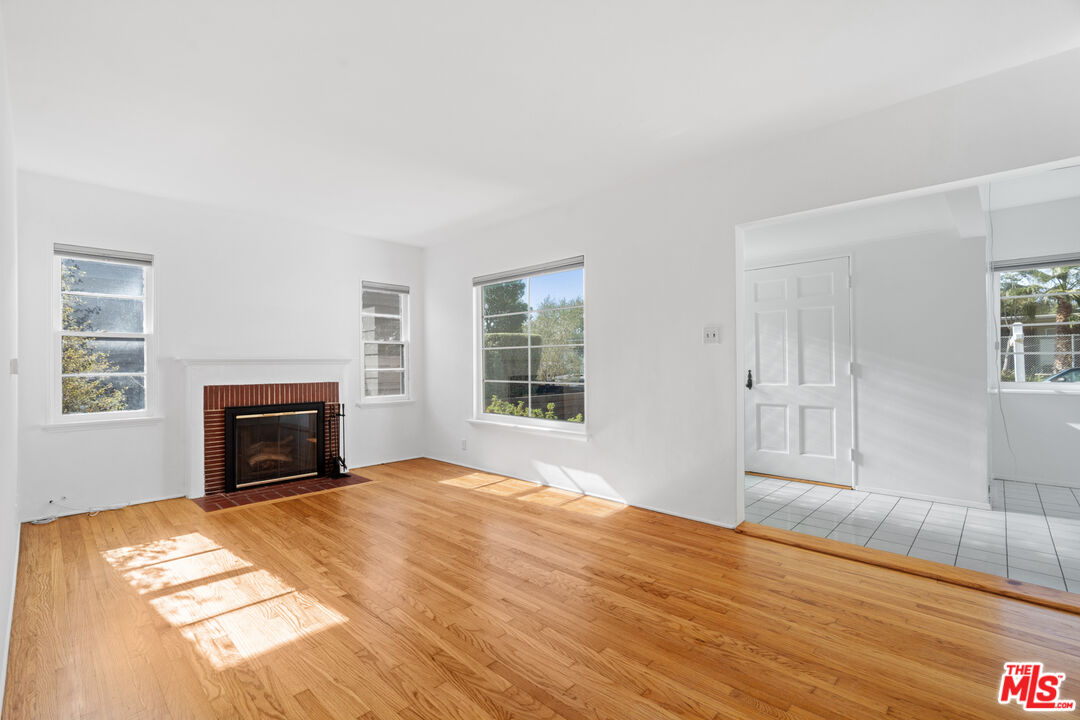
<point x="382" y="303"/>
<point x="103" y="393"/>
<point x="508" y="364"/>
<point x="101" y="314"/>
<point x="1030" y="310"/>
<point x="558" y="327"/>
<point x="507" y="297"/>
<point x="379" y="328"/>
<point x="507" y="331"/>
<point x="506" y="398"/>
<point x="384" y="382"/>
<point x="559" y="402"/>
<point x="560" y="364"/>
<point x="559" y="289"/>
<point x="101" y="277"/>
<point x="383" y="356"/>
<point x="99" y="355"/>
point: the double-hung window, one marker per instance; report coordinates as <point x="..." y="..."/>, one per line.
<point x="104" y="331"/>
<point x="532" y="343"/>
<point x="384" y="318"/>
<point x="1039" y="320"/>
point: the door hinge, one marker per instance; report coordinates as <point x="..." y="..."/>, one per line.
<point x="853" y="454"/>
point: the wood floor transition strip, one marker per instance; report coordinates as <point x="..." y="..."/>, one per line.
<point x="994" y="584"/>
<point x="799" y="480"/>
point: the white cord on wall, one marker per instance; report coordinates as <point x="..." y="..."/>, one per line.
<point x="90" y="510"/>
<point x="996" y="298"/>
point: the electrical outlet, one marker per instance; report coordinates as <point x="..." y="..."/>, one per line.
<point x="464" y="444"/>
<point x="712" y="335"/>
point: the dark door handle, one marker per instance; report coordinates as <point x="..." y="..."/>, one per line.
<point x="749" y="379"/>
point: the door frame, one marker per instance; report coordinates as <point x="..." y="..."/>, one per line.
<point x="851" y="355"/>
<point x="741" y="228"/>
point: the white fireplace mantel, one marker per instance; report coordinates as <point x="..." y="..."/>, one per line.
<point x="200" y="372"/>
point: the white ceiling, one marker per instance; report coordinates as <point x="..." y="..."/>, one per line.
<point x="398" y="119"/>
<point x="1032" y="189"/>
<point x="838" y="228"/>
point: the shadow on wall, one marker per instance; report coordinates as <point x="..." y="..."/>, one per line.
<point x="587" y="483"/>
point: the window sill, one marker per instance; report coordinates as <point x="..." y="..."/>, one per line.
<point x="368" y="404"/>
<point x="579" y="435"/>
<point x="1017" y="390"/>
<point x="102" y="424"/>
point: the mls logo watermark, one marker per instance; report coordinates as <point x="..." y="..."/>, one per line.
<point x="1032" y="689"/>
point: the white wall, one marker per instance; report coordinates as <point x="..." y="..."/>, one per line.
<point x="1036" y="431"/>
<point x="662" y="261"/>
<point x="9" y="466"/>
<point x="919" y="341"/>
<point x="920" y="349"/>
<point x="227" y="285"/>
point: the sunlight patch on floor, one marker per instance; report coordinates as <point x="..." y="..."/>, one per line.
<point x="230" y="610"/>
<point x="191" y="568"/>
<point x="238" y="635"/>
<point x="596" y="507"/>
<point x="471" y="481"/>
<point x="535" y="493"/>
<point x="550" y="496"/>
<point x="158" y="551"/>
<point x="508" y="487"/>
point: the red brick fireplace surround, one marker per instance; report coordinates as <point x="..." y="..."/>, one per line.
<point x="218" y="397"/>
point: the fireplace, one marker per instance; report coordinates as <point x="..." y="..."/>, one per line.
<point x="273" y="443"/>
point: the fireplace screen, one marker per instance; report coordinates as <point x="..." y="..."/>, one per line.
<point x="268" y="444"/>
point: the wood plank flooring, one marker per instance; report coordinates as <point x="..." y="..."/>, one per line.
<point x="439" y="592"/>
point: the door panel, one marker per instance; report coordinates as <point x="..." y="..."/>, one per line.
<point x="798" y="412"/>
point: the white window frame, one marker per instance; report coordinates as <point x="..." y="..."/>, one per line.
<point x="56" y="401"/>
<point x="403" y="292"/>
<point x="997" y="346"/>
<point x="479" y="402"/>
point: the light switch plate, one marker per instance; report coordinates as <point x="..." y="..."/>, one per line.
<point x="712" y="335"/>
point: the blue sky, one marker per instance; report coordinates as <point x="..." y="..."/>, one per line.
<point x="568" y="284"/>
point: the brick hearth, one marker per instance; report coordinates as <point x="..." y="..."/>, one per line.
<point x="218" y="397"/>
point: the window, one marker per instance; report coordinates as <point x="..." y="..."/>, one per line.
<point x="533" y="343"/>
<point x="384" y="318"/>
<point x="104" y="331"/>
<point x="1039" y="322"/>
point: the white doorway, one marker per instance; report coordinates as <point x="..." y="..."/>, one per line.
<point x="798" y="411"/>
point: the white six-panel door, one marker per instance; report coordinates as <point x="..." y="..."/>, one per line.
<point x="798" y="335"/>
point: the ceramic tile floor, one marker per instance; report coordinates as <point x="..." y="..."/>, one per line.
<point x="1031" y="532"/>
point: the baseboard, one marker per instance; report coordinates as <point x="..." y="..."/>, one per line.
<point x="1033" y="480"/>
<point x="11" y="616"/>
<point x="68" y="512"/>
<point x="580" y="492"/>
<point x="921" y="496"/>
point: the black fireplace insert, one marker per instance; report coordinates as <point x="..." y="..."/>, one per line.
<point x="266" y="444"/>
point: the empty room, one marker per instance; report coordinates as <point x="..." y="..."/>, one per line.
<point x="326" y="391"/>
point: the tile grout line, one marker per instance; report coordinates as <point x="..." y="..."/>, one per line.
<point x="921" y="524"/>
<point x="882" y="521"/>
<point x="850" y="512"/>
<point x="1050" y="532"/>
<point x="788" y="502"/>
<point x="963" y="527"/>
<point x="819" y="506"/>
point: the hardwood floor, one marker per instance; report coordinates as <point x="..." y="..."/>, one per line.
<point x="440" y="592"/>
